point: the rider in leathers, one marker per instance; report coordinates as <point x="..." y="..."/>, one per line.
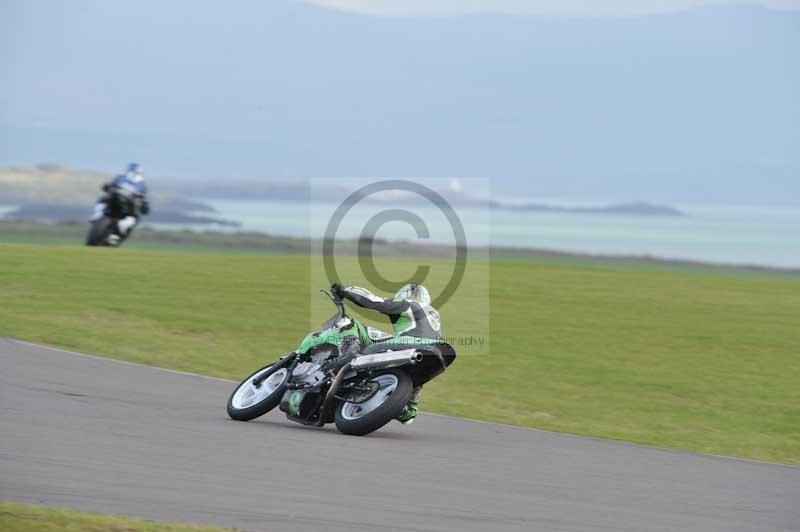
<point x="412" y="317"/>
<point x="130" y="184"/>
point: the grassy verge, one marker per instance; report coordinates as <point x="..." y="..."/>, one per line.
<point x="25" y="518"/>
<point x="685" y="360"/>
<point x="74" y="234"/>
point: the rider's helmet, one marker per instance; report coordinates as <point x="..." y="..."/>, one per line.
<point x="131" y="183"/>
<point x="414" y="292"/>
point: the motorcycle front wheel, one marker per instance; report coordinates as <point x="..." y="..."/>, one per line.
<point x="249" y="401"/>
<point x="394" y="391"/>
<point x="98" y="232"/>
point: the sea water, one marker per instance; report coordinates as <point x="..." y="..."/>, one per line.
<point x="767" y="236"/>
<point x="755" y="235"/>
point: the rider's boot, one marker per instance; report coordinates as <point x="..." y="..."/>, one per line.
<point x="125" y="225"/>
<point x="411" y="409"/>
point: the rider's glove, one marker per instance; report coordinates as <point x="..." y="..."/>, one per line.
<point x="337" y="290"/>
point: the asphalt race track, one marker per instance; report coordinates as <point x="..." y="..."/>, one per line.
<point x="97" y="434"/>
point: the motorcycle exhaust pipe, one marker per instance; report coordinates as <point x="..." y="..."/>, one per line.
<point x="390" y="359"/>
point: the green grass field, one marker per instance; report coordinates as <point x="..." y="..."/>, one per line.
<point x="678" y="359"/>
<point x="25" y="518"/>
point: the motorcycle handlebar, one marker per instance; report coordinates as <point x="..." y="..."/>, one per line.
<point x="336" y="301"/>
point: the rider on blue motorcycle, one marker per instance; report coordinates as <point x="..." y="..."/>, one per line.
<point x="130" y="185"/>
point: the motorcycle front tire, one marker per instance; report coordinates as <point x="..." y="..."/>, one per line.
<point x="98" y="232"/>
<point x="265" y="401"/>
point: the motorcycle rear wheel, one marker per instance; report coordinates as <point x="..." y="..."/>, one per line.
<point x="359" y="419"/>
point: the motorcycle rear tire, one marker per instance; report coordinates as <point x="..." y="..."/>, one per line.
<point x="390" y="409"/>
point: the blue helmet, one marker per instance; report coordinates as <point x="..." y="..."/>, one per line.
<point x="134" y="168"/>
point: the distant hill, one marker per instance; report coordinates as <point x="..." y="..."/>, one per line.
<point x="54" y="191"/>
<point x="58" y="192"/>
<point x="51" y="183"/>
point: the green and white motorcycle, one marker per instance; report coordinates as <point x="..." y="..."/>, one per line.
<point x="347" y="373"/>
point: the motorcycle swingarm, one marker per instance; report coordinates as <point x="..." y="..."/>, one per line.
<point x="348" y="395"/>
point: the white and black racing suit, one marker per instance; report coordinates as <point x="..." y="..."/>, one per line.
<point x="410" y="319"/>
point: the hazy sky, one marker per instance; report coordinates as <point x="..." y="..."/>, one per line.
<point x="696" y="106"/>
<point x="537" y="7"/>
